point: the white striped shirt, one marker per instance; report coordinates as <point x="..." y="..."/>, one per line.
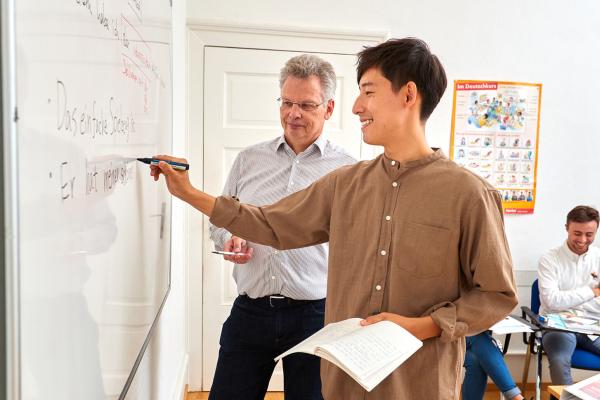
<point x="263" y="174"/>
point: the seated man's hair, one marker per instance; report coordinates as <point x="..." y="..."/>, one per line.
<point x="583" y="214"/>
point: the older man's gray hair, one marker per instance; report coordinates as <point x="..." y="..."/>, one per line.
<point x="305" y="65"/>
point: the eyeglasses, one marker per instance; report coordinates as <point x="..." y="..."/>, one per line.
<point x="304" y="106"/>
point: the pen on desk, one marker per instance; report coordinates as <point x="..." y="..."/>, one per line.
<point x="176" y="165"/>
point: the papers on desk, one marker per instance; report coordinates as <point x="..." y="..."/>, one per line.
<point x="588" y="389"/>
<point x="581" y="323"/>
<point x="510" y="325"/>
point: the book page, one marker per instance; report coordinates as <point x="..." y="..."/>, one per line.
<point x="588" y="389"/>
<point x="367" y="353"/>
<point x="372" y="347"/>
<point x="329" y="333"/>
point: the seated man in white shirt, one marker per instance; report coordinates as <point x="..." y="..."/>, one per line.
<point x="568" y="280"/>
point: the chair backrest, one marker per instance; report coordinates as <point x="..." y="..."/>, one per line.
<point x="535" y="297"/>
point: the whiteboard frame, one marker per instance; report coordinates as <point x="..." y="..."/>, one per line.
<point x="155" y="322"/>
<point x="142" y="351"/>
<point x="10" y="202"/>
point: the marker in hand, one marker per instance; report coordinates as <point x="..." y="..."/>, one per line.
<point x="176" y="165"/>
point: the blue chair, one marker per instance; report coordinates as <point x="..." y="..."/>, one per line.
<point x="581" y="359"/>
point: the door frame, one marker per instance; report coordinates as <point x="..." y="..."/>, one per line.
<point x="206" y="33"/>
<point x="10" y="369"/>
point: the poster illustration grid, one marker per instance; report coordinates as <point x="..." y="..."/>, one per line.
<point x="495" y="133"/>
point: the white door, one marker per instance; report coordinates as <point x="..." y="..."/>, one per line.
<point x="240" y="91"/>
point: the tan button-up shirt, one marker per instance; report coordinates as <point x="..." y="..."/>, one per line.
<point x="420" y="238"/>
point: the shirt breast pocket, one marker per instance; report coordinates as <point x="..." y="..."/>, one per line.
<point x="422" y="250"/>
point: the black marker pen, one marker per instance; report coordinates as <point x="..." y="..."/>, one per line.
<point x="176" y="165"/>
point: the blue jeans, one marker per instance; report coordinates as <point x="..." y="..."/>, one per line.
<point x="482" y="359"/>
<point x="559" y="347"/>
<point x="256" y="332"/>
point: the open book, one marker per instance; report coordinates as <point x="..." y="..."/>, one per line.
<point x="367" y="353"/>
<point x="588" y="389"/>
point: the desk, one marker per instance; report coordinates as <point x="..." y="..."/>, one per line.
<point x="565" y="321"/>
<point x="509" y="325"/>
<point x="535" y="345"/>
<point x="555" y="391"/>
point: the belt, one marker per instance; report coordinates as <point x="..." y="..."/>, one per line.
<point x="276" y="300"/>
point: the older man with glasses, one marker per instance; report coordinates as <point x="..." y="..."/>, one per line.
<point x="281" y="293"/>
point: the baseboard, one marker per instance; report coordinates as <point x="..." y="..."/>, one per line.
<point x="181" y="383"/>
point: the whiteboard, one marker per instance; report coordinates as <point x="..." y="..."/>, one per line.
<point x="93" y="89"/>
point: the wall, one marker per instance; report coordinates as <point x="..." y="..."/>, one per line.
<point x="535" y="41"/>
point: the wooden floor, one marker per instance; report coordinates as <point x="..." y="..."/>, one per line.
<point x="490" y="395"/>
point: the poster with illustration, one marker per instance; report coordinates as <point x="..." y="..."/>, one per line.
<point x="495" y="133"/>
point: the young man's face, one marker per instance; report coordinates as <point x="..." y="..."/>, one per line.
<point x="581" y="235"/>
<point x="380" y="109"/>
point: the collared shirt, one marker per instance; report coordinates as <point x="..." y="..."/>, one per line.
<point x="263" y="174"/>
<point x="419" y="238"/>
<point x="565" y="280"/>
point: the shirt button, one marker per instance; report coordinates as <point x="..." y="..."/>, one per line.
<point x="383" y="253"/>
<point x="378" y="287"/>
<point x="292" y="183"/>
<point x="297" y="161"/>
<point x="275" y="251"/>
<point x="394" y="184"/>
<point x="387" y="217"/>
<point x="273" y="277"/>
<point x="393" y="163"/>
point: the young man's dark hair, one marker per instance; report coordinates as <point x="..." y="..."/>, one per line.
<point x="583" y="214"/>
<point x="403" y="60"/>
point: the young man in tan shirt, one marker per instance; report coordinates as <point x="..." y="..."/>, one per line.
<point x="413" y="238"/>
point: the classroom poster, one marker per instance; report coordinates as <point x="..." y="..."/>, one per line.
<point x="495" y="132"/>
